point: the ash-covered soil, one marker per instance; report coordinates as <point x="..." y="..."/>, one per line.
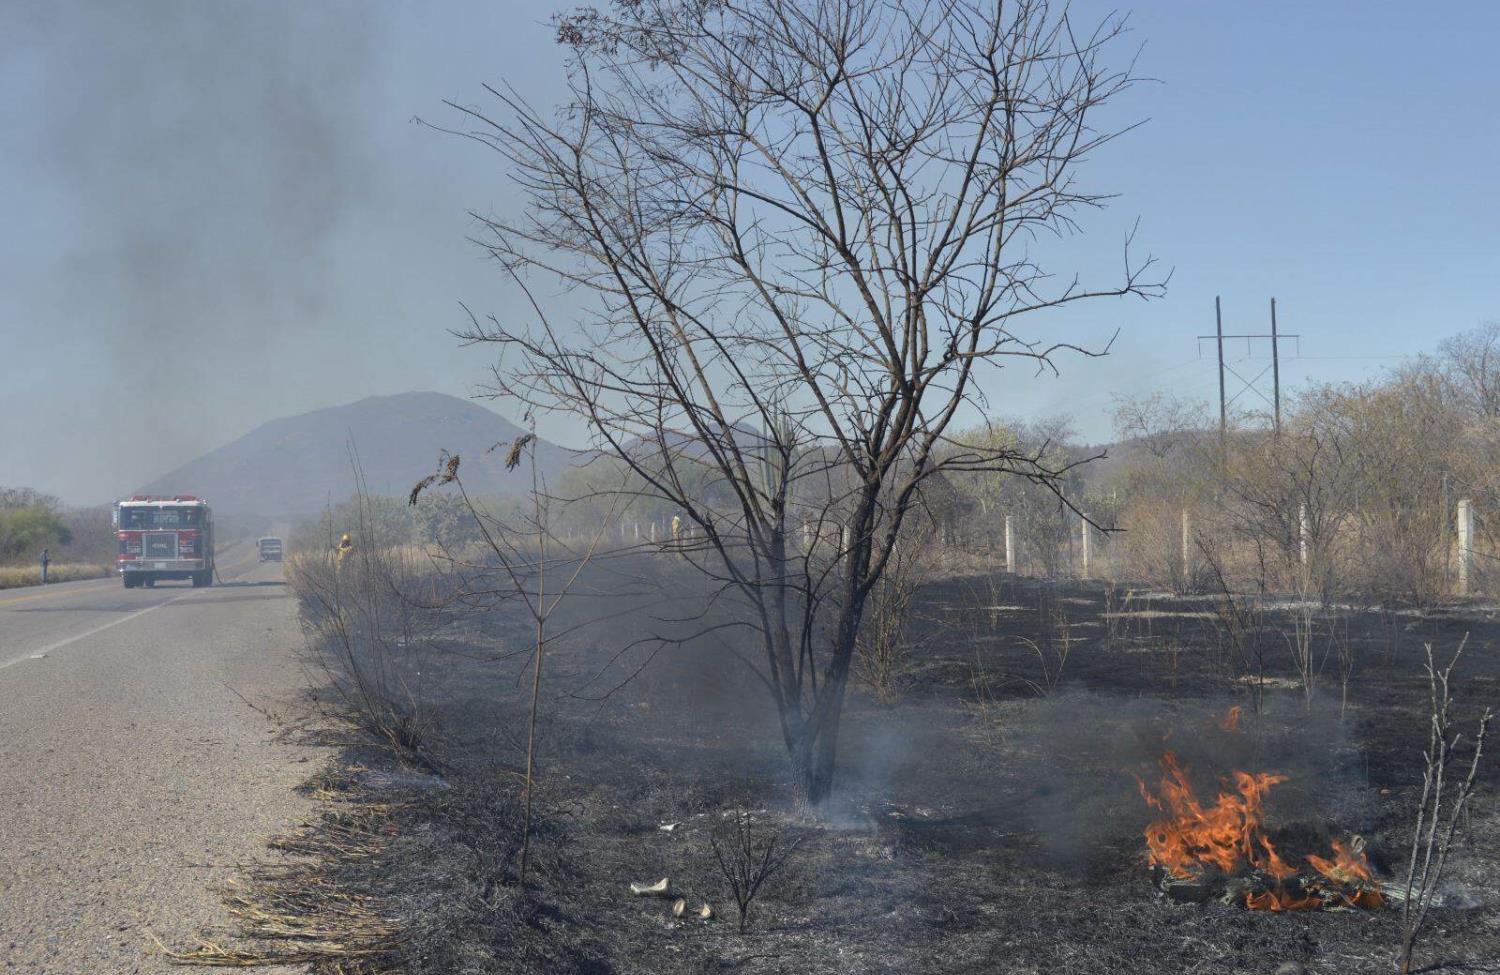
<point x="986" y="822"/>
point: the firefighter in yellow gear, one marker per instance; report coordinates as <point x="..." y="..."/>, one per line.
<point x="346" y="546"/>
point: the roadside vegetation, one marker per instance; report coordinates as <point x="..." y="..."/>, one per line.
<point x="15" y="577"/>
<point x="80" y="541"/>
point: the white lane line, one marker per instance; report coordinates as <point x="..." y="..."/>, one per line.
<point x="39" y="654"/>
<point x="44" y="651"/>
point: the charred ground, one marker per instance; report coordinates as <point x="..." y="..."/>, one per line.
<point x="980" y="824"/>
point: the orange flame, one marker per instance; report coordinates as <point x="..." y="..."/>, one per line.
<point x="1227" y="835"/>
<point x="1346" y="867"/>
<point x="1349" y="869"/>
<point x="1280" y="900"/>
<point x="1274" y="865"/>
<point x="1195" y="836"/>
<point x="1231" y="719"/>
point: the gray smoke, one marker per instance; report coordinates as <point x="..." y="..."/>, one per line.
<point x="203" y="158"/>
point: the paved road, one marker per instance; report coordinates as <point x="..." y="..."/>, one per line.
<point x="132" y="775"/>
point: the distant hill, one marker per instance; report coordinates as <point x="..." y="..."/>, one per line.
<point x="292" y="467"/>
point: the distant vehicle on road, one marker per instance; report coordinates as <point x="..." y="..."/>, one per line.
<point x="270" y="549"/>
<point x="164" y="538"/>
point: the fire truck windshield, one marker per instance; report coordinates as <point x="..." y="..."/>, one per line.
<point x="149" y="518"/>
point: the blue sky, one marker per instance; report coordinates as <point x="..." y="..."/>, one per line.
<point x="215" y="214"/>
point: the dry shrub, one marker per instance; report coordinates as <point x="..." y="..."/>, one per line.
<point x="372" y="620"/>
<point x="749" y="857"/>
<point x="1149" y="550"/>
<point x="1054" y="645"/>
<point x="1440" y="813"/>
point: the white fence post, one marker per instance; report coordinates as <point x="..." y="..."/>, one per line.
<point x="1084" y="537"/>
<point x="1302" y="535"/>
<point x="1465" y="519"/>
<point x="1010" y="547"/>
<point x="1187" y="548"/>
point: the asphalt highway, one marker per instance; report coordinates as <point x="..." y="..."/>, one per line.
<point x="134" y="772"/>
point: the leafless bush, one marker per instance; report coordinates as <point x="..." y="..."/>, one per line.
<point x="749" y="857"/>
<point x="1437" y="824"/>
<point x="372" y="632"/>
<point x="1241" y="628"/>
<point x="1303" y="643"/>
<point x="1149" y="550"/>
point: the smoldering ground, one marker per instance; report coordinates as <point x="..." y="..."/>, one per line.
<point x="192" y="164"/>
<point x="1082" y="757"/>
<point x="961" y="838"/>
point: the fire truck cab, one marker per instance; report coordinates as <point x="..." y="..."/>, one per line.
<point x="164" y="538"/>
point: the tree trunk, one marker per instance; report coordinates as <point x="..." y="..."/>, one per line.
<point x="816" y="757"/>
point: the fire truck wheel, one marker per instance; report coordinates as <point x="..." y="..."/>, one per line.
<point x="149" y="583"/>
<point x="128" y="580"/>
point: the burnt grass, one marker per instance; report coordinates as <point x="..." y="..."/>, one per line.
<point x="981" y="824"/>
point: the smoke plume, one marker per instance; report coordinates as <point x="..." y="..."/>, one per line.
<point x="194" y="163"/>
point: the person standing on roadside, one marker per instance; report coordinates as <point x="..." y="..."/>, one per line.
<point x="46" y="561"/>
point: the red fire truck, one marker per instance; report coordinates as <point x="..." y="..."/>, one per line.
<point x="164" y="538"/>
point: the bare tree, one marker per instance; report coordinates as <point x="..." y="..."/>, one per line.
<point x="1162" y="424"/>
<point x="1470" y="362"/>
<point x="800" y="230"/>
<point x="1294" y="492"/>
<point x="1168" y="467"/>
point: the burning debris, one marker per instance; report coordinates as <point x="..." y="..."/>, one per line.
<point x="1221" y="849"/>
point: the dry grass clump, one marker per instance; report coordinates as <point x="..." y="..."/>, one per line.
<point x="304" y="911"/>
<point x="17" y="576"/>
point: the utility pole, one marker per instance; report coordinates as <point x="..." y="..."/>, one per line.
<point x="1223" y="404"/>
<point x="1276" y="367"/>
<point x="1250" y="384"/>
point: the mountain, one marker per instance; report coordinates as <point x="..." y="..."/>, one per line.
<point x="292" y="467"/>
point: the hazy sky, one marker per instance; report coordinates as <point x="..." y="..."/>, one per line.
<point x="213" y="214"/>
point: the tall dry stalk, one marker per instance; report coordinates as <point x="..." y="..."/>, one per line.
<point x="523" y="555"/>
<point x="1338" y="632"/>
